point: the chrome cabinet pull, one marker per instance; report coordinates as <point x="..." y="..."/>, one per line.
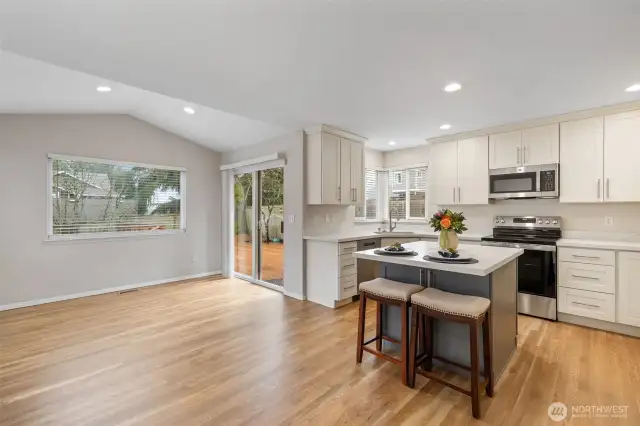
<point x="459" y="195"/>
<point x="585" y="304"/>
<point x="518" y="155"/>
<point x="586" y="278"/>
<point x="339" y="195"/>
<point x="608" y="192"/>
<point x="524" y="155"/>
<point x="454" y="195"/>
<point x="585" y="257"/>
<point x="598" y="188"/>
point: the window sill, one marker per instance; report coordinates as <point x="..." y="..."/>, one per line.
<point x="113" y="235"/>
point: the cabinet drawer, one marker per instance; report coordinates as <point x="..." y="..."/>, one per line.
<point x="584" y="276"/>
<point x="346" y="248"/>
<point x="347" y="265"/>
<point x="348" y="286"/>
<point x="588" y="304"/>
<point x="595" y="257"/>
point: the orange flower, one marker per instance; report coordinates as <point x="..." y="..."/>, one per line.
<point x="445" y="222"/>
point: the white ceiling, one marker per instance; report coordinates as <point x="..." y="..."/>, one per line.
<point x="373" y="67"/>
<point x="31" y="86"/>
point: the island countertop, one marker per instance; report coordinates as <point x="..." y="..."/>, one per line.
<point x="489" y="258"/>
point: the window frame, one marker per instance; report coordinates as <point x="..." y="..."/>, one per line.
<point x="50" y="236"/>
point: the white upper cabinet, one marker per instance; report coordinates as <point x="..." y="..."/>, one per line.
<point x="473" y="171"/>
<point x="628" y="295"/>
<point x="357" y="172"/>
<point x="505" y="150"/>
<point x="346" y="190"/>
<point x="443" y="173"/>
<point x="541" y="145"/>
<point x="528" y="147"/>
<point x="334" y="167"/>
<point x="459" y="173"/>
<point x="621" y="153"/>
<point x="581" y="161"/>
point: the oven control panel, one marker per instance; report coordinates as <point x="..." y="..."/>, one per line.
<point x="528" y="221"/>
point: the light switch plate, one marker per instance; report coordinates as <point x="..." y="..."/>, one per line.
<point x="292" y="218"/>
<point x="608" y="221"/>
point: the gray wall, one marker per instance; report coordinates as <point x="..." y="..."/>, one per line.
<point x="292" y="146"/>
<point x="32" y="268"/>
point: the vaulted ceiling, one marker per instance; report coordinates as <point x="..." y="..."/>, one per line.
<point x="373" y="67"/>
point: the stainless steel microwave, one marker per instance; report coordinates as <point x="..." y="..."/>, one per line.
<point x="525" y="182"/>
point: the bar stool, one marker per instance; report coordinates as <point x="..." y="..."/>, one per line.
<point x="471" y="310"/>
<point x="386" y="292"/>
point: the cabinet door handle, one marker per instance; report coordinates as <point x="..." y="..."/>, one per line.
<point x="458" y="194"/>
<point x="355" y="194"/>
<point x="347" y="288"/>
<point x="369" y="244"/>
<point x="585" y="257"/>
<point x="518" y="156"/>
<point x="586" y="278"/>
<point x="598" y="188"/>
<point x="585" y="304"/>
<point x="608" y="193"/>
<point x="524" y="155"/>
<point x="339" y="195"/>
<point x="454" y="195"/>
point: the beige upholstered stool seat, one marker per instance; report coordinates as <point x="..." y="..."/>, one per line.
<point x="451" y="303"/>
<point x="389" y="289"/>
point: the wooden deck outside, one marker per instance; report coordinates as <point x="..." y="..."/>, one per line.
<point x="272" y="258"/>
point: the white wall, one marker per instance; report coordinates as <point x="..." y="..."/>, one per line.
<point x="418" y="155"/>
<point x="32" y="268"/>
<point x="292" y="146"/>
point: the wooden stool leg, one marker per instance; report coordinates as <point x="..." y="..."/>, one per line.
<point x="404" y="342"/>
<point x="428" y="339"/>
<point x="361" y="322"/>
<point x="486" y="346"/>
<point x="379" y="326"/>
<point x="475" y="369"/>
<point x="413" y="345"/>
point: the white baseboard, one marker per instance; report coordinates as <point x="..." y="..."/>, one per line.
<point x="601" y="325"/>
<point x="294" y="295"/>
<point x="103" y="291"/>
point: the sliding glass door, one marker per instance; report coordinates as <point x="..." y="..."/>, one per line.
<point x="259" y="226"/>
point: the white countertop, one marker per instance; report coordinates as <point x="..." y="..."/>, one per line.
<point x="489" y="258"/>
<point x="599" y="244"/>
<point x="355" y="236"/>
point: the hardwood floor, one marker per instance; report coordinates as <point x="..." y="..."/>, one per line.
<point x="227" y="352"/>
<point x="272" y="258"/>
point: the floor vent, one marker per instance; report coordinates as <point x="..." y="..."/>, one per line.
<point x="128" y="291"/>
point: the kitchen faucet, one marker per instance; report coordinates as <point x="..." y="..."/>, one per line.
<point x="391" y="213"/>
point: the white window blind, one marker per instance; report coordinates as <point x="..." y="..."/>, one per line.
<point x="398" y="194"/>
<point x="99" y="197"/>
<point x="408" y="193"/>
<point x="370" y="208"/>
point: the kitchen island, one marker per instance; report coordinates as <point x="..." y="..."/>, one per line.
<point x="494" y="277"/>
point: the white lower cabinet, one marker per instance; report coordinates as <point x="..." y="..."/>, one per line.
<point x="590" y="304"/>
<point x="628" y="305"/>
<point x="331" y="272"/>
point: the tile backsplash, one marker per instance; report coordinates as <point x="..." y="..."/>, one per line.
<point x="576" y="218"/>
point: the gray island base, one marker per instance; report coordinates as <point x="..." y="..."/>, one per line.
<point x="494" y="277"/>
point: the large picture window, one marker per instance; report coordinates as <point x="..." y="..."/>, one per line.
<point x="370" y="209"/>
<point x="100" y="198"/>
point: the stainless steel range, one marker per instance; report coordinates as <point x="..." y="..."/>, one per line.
<point x="537" y="267"/>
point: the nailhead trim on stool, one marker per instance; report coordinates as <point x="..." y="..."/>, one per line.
<point x="451" y="303"/>
<point x="389" y="289"/>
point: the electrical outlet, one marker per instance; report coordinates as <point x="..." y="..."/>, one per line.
<point x="608" y="221"/>
<point x="194" y="258"/>
<point x="292" y="218"/>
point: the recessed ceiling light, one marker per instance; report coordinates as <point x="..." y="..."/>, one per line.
<point x="189" y="110"/>
<point x="445" y="126"/>
<point x="103" y="89"/>
<point x="453" y="87"/>
<point x="634" y="88"/>
<point x="392" y="142"/>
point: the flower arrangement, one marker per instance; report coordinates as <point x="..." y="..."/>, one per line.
<point x="446" y="220"/>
